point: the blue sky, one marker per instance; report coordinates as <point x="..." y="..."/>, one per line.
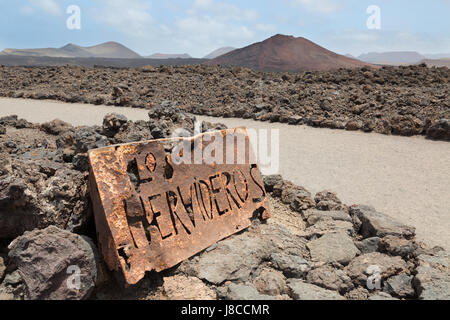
<point x="199" y="26"/>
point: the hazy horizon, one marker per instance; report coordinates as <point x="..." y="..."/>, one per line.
<point x="198" y="27"/>
<point x="447" y="54"/>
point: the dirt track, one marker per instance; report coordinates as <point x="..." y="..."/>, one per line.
<point x="405" y="177"/>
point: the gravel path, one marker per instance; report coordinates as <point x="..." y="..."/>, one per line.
<point x="405" y="177"/>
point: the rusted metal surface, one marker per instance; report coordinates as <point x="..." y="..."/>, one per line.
<point x="151" y="213"/>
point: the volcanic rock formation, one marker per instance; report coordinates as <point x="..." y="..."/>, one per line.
<point x="286" y="53"/>
<point x="314" y="246"/>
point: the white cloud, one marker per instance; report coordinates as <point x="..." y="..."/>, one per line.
<point x="207" y="28"/>
<point x="131" y="17"/>
<point x="201" y="28"/>
<point x="49" y="6"/>
<point x="320" y="6"/>
<point x="210" y="24"/>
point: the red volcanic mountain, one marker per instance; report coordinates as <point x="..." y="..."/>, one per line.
<point x="286" y="53"/>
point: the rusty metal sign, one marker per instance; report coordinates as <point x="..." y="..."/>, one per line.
<point x="160" y="202"/>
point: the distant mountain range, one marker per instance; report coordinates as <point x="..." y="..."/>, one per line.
<point x="278" y="53"/>
<point x="399" y="57"/>
<point x="212" y="55"/>
<point x="104" y="50"/>
<point x="394" y="57"/>
<point x="286" y="53"/>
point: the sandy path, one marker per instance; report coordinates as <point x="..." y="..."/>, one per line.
<point x="75" y="113"/>
<point x="405" y="177"/>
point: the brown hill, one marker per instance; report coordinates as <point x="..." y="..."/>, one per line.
<point x="112" y="50"/>
<point x="286" y="53"/>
